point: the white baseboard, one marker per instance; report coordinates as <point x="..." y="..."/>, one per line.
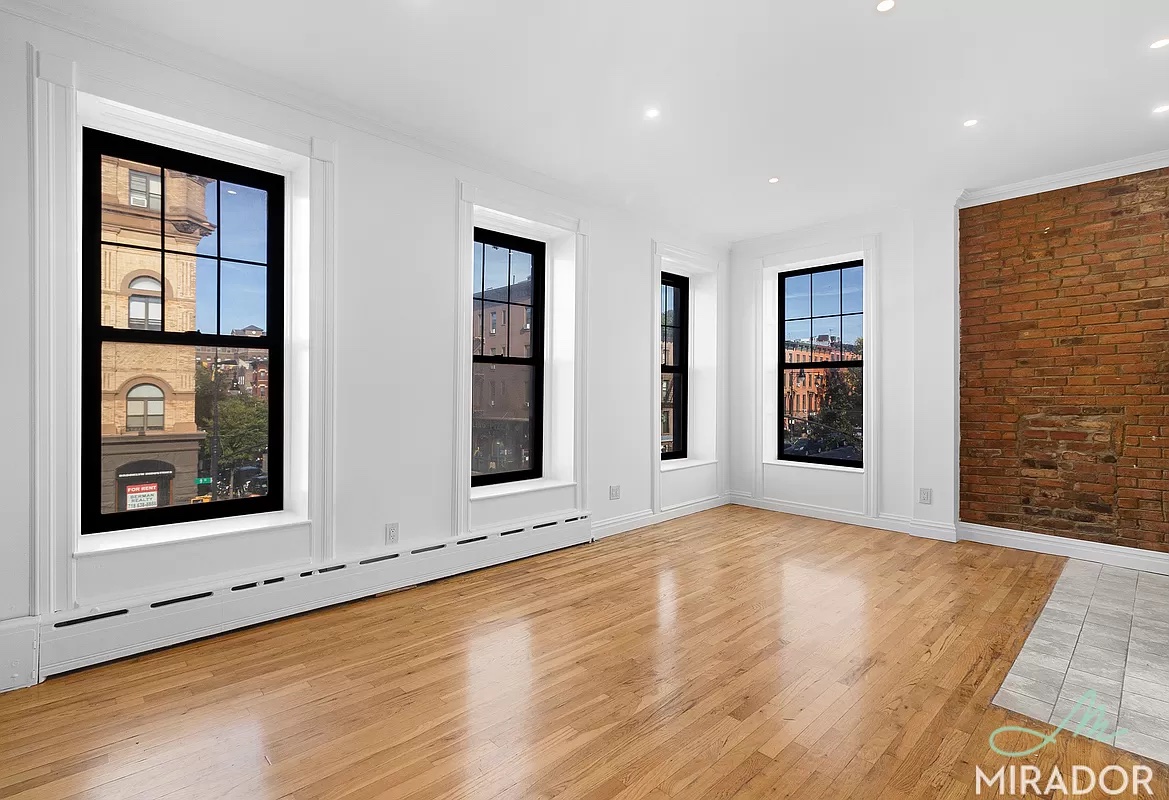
<point x="643" y="519"/>
<point x="18" y="653"/>
<point x="1111" y="554"/>
<point x="926" y="529"/>
<point x="74" y="640"/>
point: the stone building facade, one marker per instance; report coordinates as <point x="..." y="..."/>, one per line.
<point x="150" y="440"/>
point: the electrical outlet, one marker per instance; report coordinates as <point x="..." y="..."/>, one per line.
<point x="391" y="533"/>
<point x="925" y="496"/>
<point x="615" y="492"/>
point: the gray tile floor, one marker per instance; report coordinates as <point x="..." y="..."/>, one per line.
<point x="1104" y="629"/>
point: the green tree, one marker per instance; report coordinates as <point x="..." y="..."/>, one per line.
<point x="839" y="423"/>
<point x="243" y="430"/>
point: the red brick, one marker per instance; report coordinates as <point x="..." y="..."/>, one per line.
<point x="1064" y="359"/>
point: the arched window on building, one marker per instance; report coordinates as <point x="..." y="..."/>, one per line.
<point x="145" y="304"/>
<point x="145" y="408"/>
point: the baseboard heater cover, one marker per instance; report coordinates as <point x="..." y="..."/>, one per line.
<point x="87" y="639"/>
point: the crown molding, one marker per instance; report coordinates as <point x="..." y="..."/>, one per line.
<point x="1063" y="180"/>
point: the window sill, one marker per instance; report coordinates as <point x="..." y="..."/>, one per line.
<point x="806" y="465"/>
<point x="672" y="464"/>
<point x="519" y="487"/>
<point x="99" y="543"/>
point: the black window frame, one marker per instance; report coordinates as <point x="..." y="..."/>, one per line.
<point x="538" y="251"/>
<point x="680" y="371"/>
<point x="806" y="365"/>
<point x="96" y="144"/>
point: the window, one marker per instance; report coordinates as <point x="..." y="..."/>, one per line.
<point x="507" y="386"/>
<point x="822" y="365"/>
<point x="145" y="190"/>
<point x="182" y="322"/>
<point x="145" y="408"/>
<point x="146" y="304"/>
<point x="675" y="361"/>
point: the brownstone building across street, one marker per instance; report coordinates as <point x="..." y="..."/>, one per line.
<point x="158" y="274"/>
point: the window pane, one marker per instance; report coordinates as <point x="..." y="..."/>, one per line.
<point x="671" y="391"/>
<point x="669" y="305"/>
<point x="150" y="443"/>
<point x="797" y="297"/>
<point x="190" y="215"/>
<point x="826" y="293"/>
<point x="823" y="413"/>
<point x="477" y="328"/>
<point x="243" y="215"/>
<point x="122" y="267"/>
<point x="494" y="329"/>
<point x="853" y="336"/>
<point x="521" y="277"/>
<point x="671" y="357"/>
<point x="130" y="202"/>
<point x="478" y="275"/>
<point x="501" y="415"/>
<point x="826" y="339"/>
<point x="243" y="299"/>
<point x="495" y="273"/>
<point x="797" y="344"/>
<point x="519" y="343"/>
<point x="852" y="298"/>
<point x="191" y="302"/>
<point x="231" y="409"/>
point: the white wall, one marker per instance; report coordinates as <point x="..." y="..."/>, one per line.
<point x="912" y="412"/>
<point x="397" y="239"/>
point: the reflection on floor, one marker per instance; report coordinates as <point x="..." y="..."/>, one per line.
<point x="1105" y="630"/>
<point x="733" y="653"/>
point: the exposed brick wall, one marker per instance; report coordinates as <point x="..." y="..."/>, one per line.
<point x="1065" y="362"/>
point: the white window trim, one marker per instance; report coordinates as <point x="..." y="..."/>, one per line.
<point x="59" y="113"/>
<point x="522" y="217"/>
<point x="708" y="271"/>
<point x="768" y="273"/>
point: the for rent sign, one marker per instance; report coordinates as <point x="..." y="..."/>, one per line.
<point x="141" y="495"/>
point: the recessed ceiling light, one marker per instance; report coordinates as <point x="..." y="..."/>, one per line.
<point x="1160" y="109"/>
<point x="1157" y="45"/>
<point x="773" y="180"/>
<point x="886" y="5"/>
<point x="970" y="123"/>
<point x="652" y="113"/>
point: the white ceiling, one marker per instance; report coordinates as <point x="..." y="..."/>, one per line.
<point x="851" y="108"/>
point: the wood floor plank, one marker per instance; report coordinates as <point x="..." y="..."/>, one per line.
<point x="733" y="653"/>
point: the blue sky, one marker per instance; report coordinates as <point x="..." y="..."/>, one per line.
<point x="243" y="228"/>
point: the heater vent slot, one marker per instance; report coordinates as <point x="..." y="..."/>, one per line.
<point x="377" y="559"/>
<point x="306" y="574"/>
<point x="543" y="525"/>
<point x="271" y="581"/>
<point x="427" y="549"/>
<point x="93" y="618"/>
<point x="571" y="519"/>
<point x="475" y="539"/>
<point x="174" y="600"/>
<point x="323" y="570"/>
<point x="509" y="533"/>
<point x="243" y="586"/>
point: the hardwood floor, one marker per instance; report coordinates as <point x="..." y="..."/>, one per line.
<point x="734" y="653"/>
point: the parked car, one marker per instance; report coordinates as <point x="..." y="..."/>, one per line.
<point x="254" y="487"/>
